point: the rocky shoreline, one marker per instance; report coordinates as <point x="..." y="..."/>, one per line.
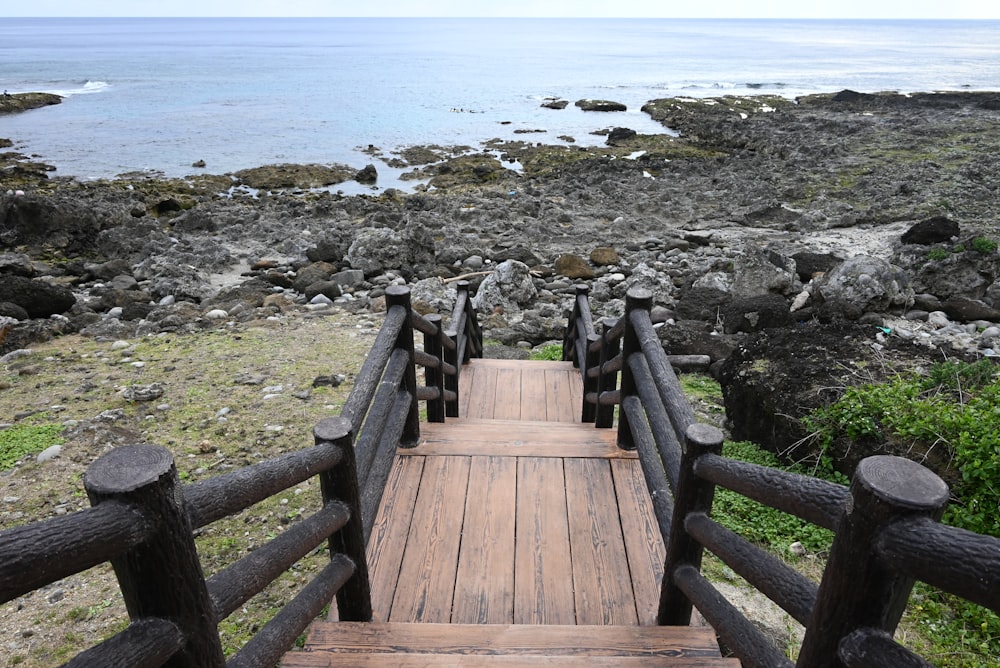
<point x="878" y="212"/>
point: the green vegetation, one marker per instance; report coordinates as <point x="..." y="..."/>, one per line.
<point x="23" y="440"/>
<point x="552" y="352"/>
<point x="956" y="406"/>
<point x="938" y="254"/>
<point x="984" y="245"/>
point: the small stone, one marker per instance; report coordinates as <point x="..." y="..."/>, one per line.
<point x="56" y="596"/>
<point x="120" y="345"/>
<point x="217" y="314"/>
<point x="134" y="393"/>
<point x="49" y="453"/>
<point x="797" y="549"/>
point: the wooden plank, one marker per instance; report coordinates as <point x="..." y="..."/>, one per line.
<point x="564" y="403"/>
<point x="533" y="397"/>
<point x="507" y="394"/>
<point x="511" y="438"/>
<point x="387" y="660"/>
<point x="390" y="530"/>
<point x="601" y="580"/>
<point x="643" y="542"/>
<point x="542" y="566"/>
<point x="482" y="394"/>
<point x="484" y="586"/>
<point x="519" y="364"/>
<point x="515" y="639"/>
<point x="426" y="585"/>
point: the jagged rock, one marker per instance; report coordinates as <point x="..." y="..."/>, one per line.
<point x="329" y="289"/>
<point x="507" y="288"/>
<point x="135" y="393"/>
<point x="810" y="265"/>
<point x="555" y="104"/>
<point x="758" y="272"/>
<point x="619" y="134"/>
<point x="17" y="264"/>
<point x="378" y="249"/>
<point x="367" y="175"/>
<point x="964" y="309"/>
<point x="938" y="229"/>
<point x="864" y="284"/>
<point x="313" y="273"/>
<point x="38" y="298"/>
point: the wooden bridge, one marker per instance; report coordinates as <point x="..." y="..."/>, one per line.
<point x="517" y="535"/>
<point x="547" y="513"/>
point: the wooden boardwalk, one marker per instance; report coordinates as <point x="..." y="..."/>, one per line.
<point x="515" y="516"/>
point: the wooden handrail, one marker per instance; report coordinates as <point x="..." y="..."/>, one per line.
<point x="143" y="519"/>
<point x="887" y="532"/>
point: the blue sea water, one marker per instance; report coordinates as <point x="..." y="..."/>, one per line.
<point x="158" y="94"/>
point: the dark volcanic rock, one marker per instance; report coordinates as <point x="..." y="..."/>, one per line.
<point x="38" y="298"/>
<point x="24" y="101"/>
<point x="935" y="230"/>
<point x="600" y="105"/>
<point x="753" y="314"/>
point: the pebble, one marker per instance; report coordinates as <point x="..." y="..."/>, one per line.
<point x="217" y="314"/>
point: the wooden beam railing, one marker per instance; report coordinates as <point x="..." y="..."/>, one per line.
<point x="143" y="521"/>
<point x="886" y="528"/>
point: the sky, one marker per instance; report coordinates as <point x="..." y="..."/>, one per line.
<point x="863" y="9"/>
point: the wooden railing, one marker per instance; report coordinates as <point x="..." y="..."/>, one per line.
<point x="887" y="533"/>
<point x="143" y="521"/>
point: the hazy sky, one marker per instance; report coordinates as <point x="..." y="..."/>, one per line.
<point x="957" y="9"/>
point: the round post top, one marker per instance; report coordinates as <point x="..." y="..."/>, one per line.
<point x="127" y="468"/>
<point x="902" y="483"/>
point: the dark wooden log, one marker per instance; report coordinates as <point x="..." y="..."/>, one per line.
<point x="212" y="499"/>
<point x="689" y="362"/>
<point x="746" y="641"/>
<point x="38" y="554"/>
<point x="668" y="444"/>
<point x="607" y="380"/>
<point x="591" y="383"/>
<point x="636" y="301"/>
<point x="960" y="562"/>
<point x="857" y="590"/>
<point x="616" y="331"/>
<point x="692" y="495"/>
<point x="378" y="414"/>
<point x="146" y="643"/>
<point x="652" y="468"/>
<point x="239" y="582"/>
<point x="399" y="295"/>
<point x="374" y="485"/>
<point x="339" y="486"/>
<point x="430" y="395"/>
<point x="791" y="590"/>
<point x="667" y="384"/>
<point x="872" y="648"/>
<point x="816" y="501"/>
<point x="161" y="577"/>
<point x="434" y="376"/>
<point x="426" y="360"/>
<point x="371" y="370"/>
<point x="266" y="648"/>
<point x="453" y="365"/>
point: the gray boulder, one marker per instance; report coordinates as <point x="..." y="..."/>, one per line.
<point x="865" y="284"/>
<point x="758" y="272"/>
<point x="509" y="288"/>
<point x="376" y="250"/>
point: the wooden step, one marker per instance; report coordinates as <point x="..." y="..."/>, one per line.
<point x="517" y="438"/>
<point x="393" y="644"/>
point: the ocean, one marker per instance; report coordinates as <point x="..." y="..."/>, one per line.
<point x="159" y="94"/>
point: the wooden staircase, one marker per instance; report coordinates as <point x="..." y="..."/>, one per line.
<point x="367" y="645"/>
<point x="514" y="536"/>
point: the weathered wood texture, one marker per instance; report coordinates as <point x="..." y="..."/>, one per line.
<point x="519" y="390"/>
<point x="507" y="645"/>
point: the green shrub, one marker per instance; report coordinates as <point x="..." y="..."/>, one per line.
<point x="938" y="254"/>
<point x="984" y="245"/>
<point x="552" y="352"/>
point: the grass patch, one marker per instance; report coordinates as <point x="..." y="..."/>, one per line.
<point x="23" y="440"/>
<point x="552" y="352"/>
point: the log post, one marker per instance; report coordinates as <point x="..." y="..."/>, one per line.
<point x="451" y="382"/>
<point x="607" y="381"/>
<point x="591" y="384"/>
<point x="354" y="599"/>
<point x="694" y="495"/>
<point x="857" y="591"/>
<point x="635" y="299"/>
<point x="463" y="308"/>
<point x="435" y="377"/>
<point x="399" y="295"/>
<point x="162" y="577"/>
